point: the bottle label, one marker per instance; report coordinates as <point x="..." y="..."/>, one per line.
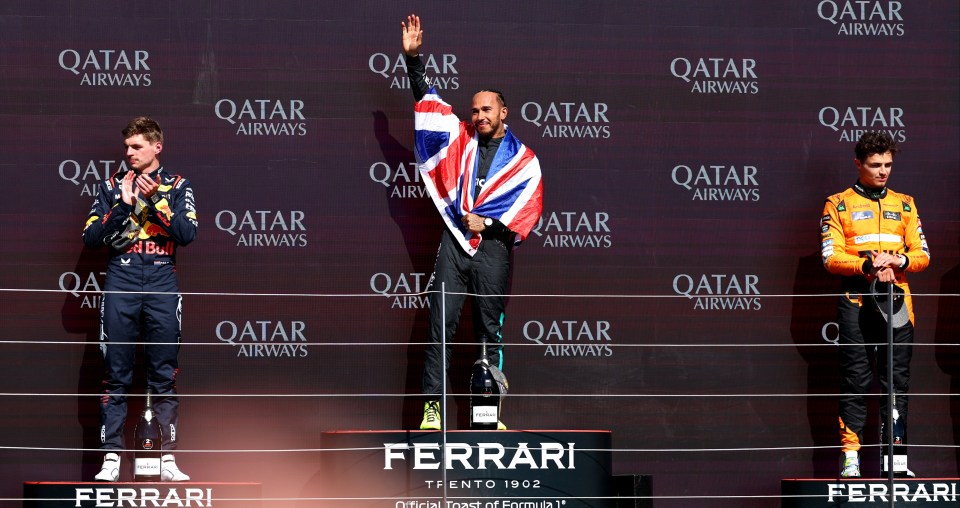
<point x="146" y="466"/>
<point x="899" y="463"/>
<point x="485" y="414"/>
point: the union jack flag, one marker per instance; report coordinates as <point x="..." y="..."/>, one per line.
<point x="446" y="151"/>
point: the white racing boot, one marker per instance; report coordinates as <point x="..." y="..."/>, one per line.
<point x="110" y="470"/>
<point x="169" y="472"/>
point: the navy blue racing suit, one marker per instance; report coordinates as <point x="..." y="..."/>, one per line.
<point x="141" y="297"/>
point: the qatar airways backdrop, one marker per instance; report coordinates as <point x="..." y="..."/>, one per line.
<point x="687" y="148"/>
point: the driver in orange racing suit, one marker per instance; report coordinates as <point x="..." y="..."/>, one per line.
<point x="870" y="232"/>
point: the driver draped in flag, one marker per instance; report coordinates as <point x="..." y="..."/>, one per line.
<point x="487" y="187"/>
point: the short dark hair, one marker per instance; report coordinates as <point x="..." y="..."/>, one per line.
<point x="875" y="142"/>
<point x="146" y="126"/>
<point x="500" y="99"/>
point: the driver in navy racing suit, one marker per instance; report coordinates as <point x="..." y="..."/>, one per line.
<point x="141" y="215"/>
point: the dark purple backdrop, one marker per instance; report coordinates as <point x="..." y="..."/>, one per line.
<point x="623" y="104"/>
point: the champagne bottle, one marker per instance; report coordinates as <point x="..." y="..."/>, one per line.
<point x="484" y="393"/>
<point x="149" y="437"/>
<point x="899" y="449"/>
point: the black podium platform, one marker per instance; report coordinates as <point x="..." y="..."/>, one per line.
<point x="92" y="494"/>
<point x="870" y="492"/>
<point x="548" y="468"/>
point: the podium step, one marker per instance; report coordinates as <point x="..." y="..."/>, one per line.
<point x="869" y="492"/>
<point x="93" y="494"/>
<point x="390" y="469"/>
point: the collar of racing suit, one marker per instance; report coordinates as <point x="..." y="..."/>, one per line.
<point x="870" y="192"/>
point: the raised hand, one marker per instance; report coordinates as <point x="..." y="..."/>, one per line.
<point x="412" y="35"/>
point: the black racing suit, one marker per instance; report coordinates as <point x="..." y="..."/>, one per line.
<point x="455" y="271"/>
<point x="143" y="239"/>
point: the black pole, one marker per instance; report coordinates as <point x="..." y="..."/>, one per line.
<point x="891" y="399"/>
<point x="443" y="397"/>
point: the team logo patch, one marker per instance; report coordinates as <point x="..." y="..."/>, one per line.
<point x="865" y="215"/>
<point x="842" y="207"/>
<point x="891" y="215"/>
<point x="906" y="207"/>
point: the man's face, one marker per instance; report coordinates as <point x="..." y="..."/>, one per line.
<point x="488" y="115"/>
<point x="875" y="169"/>
<point x="142" y="154"/>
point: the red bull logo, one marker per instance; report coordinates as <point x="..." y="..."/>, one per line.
<point x="151" y="230"/>
<point x="151" y="247"/>
<point x="164" y="215"/>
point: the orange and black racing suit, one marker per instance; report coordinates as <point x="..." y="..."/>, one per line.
<point x="856" y="223"/>
<point x="141" y="297"/>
